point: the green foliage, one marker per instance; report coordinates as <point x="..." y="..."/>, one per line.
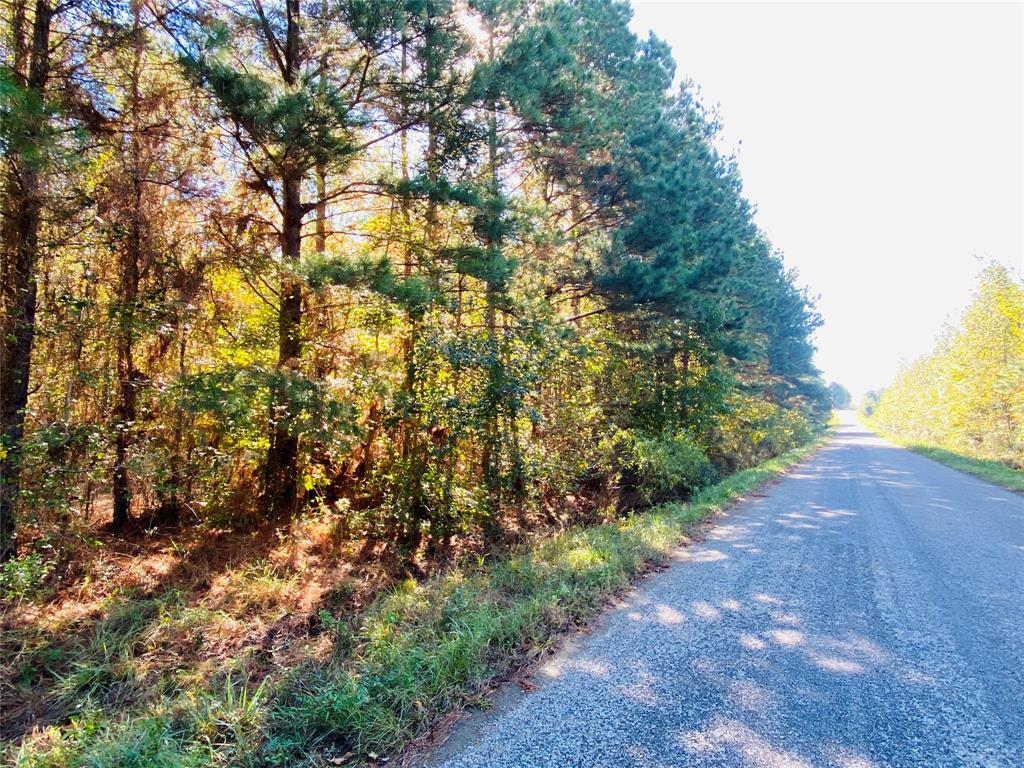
<point x="414" y="293"/>
<point x="526" y="245"/>
<point x="25" y="577"/>
<point x="27" y="124"/>
<point x="755" y="429"/>
<point x="665" y="464"/>
<point x="309" y="118"/>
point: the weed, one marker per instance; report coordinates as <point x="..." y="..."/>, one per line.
<point x="25" y="578"/>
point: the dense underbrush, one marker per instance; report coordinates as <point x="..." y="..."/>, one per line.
<point x="279" y="646"/>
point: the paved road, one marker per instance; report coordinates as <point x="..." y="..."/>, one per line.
<point x="868" y="610"/>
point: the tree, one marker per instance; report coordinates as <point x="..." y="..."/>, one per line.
<point x="287" y="119"/>
<point x="967" y="394"/>
<point x="432" y="262"/>
<point x="26" y="137"/>
<point x="149" y="168"/>
<point x="840" y="396"/>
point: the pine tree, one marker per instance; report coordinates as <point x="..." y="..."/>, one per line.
<point x="287" y="120"/>
<point x="25" y="79"/>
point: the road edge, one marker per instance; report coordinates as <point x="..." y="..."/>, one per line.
<point x="454" y="729"/>
<point x="992" y="472"/>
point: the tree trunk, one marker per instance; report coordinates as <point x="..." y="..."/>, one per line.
<point x="130" y="254"/>
<point x="321" y="208"/>
<point x="489" y="459"/>
<point x="22" y="211"/>
<point x="281" y="476"/>
<point x="684" y="399"/>
<point x="170" y="510"/>
<point x="125" y="407"/>
<point x="410" y="439"/>
<point x="281" y="470"/>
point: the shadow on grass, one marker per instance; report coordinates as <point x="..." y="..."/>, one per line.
<point x="116" y="650"/>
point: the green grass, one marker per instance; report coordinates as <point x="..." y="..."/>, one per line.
<point x="420" y="651"/>
<point x="993" y="471"/>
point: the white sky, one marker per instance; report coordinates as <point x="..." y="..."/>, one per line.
<point x="882" y="146"/>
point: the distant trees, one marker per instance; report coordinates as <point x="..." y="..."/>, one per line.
<point x="416" y="263"/>
<point x="870" y="401"/>
<point x="840" y="395"/>
<point x="968" y="395"/>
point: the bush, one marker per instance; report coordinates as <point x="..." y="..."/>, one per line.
<point x="664" y="464"/>
<point x="25" y="578"/>
<point x="754" y="430"/>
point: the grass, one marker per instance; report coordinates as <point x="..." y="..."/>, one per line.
<point x="993" y="471"/>
<point x="422" y="650"/>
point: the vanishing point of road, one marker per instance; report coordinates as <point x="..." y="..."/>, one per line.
<point x="865" y="610"/>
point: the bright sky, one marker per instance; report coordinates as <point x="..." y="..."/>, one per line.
<point x="882" y="146"/>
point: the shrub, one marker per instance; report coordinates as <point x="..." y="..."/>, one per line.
<point x="753" y="430"/>
<point x="663" y="464"/>
<point x="25" y="578"/>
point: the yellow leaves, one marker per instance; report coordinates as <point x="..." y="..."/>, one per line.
<point x="965" y="395"/>
<point x="241" y="357"/>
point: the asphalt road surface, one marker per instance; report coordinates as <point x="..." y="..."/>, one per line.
<point x="866" y="610"/>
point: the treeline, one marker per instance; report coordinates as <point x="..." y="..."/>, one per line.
<point x="420" y="264"/>
<point x="967" y="396"/>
